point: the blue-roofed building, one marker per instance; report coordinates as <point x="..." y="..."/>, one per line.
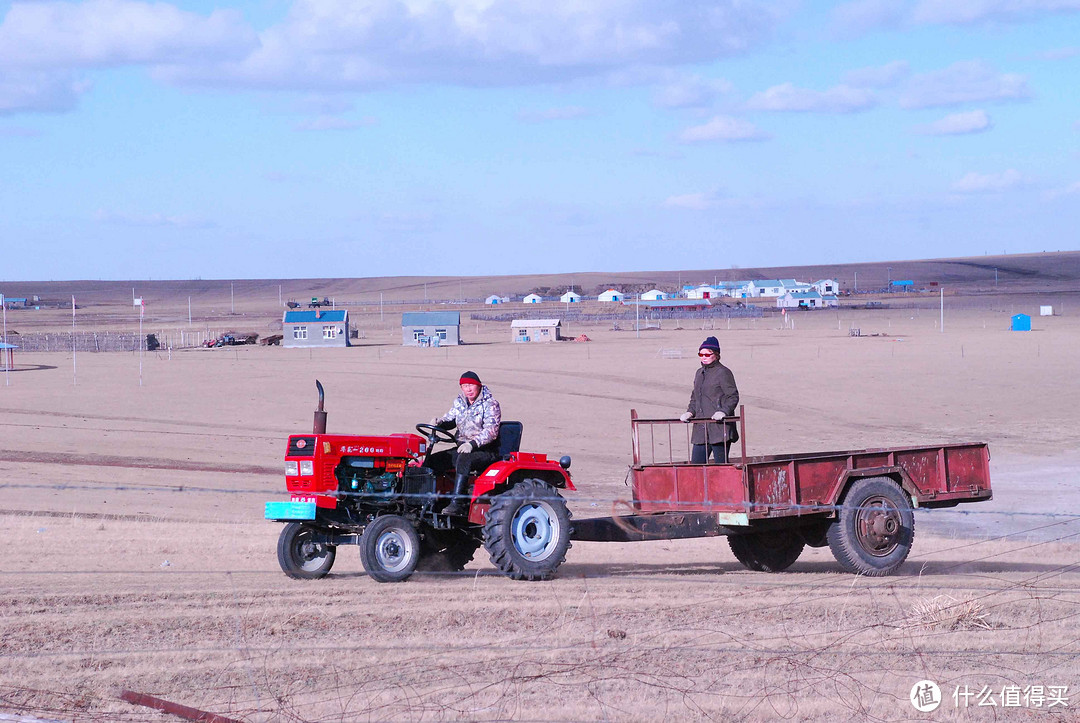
<point x="430" y="328"/>
<point x="315" y="328"/>
<point x="7" y="356"/>
<point x="806" y="300"/>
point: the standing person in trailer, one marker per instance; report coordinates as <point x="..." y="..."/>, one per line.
<point x="714" y="397"/>
<point x="477" y="416"/>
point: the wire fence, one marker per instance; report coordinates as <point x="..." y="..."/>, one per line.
<point x="688" y="653"/>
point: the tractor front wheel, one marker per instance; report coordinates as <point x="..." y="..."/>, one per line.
<point x="767" y="551"/>
<point x="527" y="532"/>
<point x="874" y="529"/>
<point x="390" y="549"/>
<point x="300" y="556"/>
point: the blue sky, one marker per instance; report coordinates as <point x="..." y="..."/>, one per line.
<point x="310" y="138"/>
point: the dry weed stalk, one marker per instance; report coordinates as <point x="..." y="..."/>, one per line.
<point x="946" y="612"/>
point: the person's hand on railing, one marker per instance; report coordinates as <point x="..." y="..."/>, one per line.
<point x="685" y="417"/>
<point x="717" y="416"/>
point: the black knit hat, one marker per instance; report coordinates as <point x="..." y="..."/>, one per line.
<point x="470" y="378"/>
<point x="712" y="344"/>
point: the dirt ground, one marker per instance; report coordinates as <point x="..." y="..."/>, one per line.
<point x="132" y="491"/>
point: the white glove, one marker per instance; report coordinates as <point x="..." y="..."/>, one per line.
<point x="466" y="447"/>
<point x="685" y="417"/>
<point x="717" y="416"/>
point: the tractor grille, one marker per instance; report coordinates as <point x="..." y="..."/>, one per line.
<point x="301" y="447"/>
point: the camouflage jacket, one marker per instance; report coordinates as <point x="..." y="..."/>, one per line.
<point x="477" y="422"/>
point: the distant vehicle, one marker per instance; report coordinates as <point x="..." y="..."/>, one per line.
<point x="292" y="304"/>
<point x="315" y="303"/>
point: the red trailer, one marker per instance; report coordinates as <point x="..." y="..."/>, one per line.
<point x="859" y="503"/>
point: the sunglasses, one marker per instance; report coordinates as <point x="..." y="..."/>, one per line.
<point x="706" y="353"/>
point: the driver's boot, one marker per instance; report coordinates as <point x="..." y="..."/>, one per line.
<point x="459" y="505"/>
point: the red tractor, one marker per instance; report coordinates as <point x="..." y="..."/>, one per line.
<point x="376" y="492"/>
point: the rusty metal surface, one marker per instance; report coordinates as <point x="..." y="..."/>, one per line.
<point x="805" y="483"/>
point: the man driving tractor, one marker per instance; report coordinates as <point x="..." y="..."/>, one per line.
<point x="477" y="416"/>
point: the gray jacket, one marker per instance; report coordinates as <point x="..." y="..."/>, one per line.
<point x="714" y="391"/>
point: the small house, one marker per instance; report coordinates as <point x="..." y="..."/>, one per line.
<point x="532" y="299"/>
<point x="315" y="328"/>
<point x="494" y="299"/>
<point x="570" y="298"/>
<point x="610" y="295"/>
<point x="827" y="286"/>
<point x="430" y="328"/>
<point x="653" y="295"/>
<point x="530" y="330"/>
<point x="1021" y="322"/>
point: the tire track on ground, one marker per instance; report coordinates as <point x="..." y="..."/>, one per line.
<point x="106" y="460"/>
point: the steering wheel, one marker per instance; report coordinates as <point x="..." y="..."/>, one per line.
<point x="436" y="434"/>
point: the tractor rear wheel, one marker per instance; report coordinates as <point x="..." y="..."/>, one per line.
<point x="390" y="549"/>
<point x="767" y="551"/>
<point x="874" y="529"/>
<point x="300" y="556"/>
<point x="527" y="532"/>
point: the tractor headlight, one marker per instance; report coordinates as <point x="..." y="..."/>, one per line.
<point x="292" y="468"/>
<point x="307" y="467"/>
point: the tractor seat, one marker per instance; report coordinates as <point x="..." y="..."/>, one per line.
<point x="509" y="438"/>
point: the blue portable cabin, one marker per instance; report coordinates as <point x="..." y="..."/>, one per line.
<point x="1020" y="322"/>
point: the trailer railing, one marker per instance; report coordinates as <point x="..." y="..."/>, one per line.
<point x="677" y="445"/>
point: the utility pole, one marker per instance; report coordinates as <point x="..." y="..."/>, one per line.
<point x="232" y="304"/>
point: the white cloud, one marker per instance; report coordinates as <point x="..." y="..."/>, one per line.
<point x="39" y="91"/>
<point x="361" y="44"/>
<point x="861" y="16"/>
<point x="882" y="76"/>
<point x="786" y="97"/>
<point x="553" y="114"/>
<point x="332" y="123"/>
<point x="974" y="121"/>
<point x="963" y="12"/>
<point x="1070" y="190"/>
<point x="150" y="219"/>
<point x="695" y="201"/>
<point x="1059" y="54"/>
<point x="117" y="32"/>
<point x="723" y="128"/>
<point x="690" y="92"/>
<point x="990" y="182"/>
<point x="970" y="81"/>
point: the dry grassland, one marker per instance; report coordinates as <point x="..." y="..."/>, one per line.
<point x="138" y="558"/>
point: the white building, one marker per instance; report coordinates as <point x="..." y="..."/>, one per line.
<point x="570" y="298"/>
<point x="653" y="295"/>
<point x="496" y="299"/>
<point x="766" y="287"/>
<point x="532" y="330"/>
<point x="806" y="300"/>
<point x="702" y="292"/>
<point x="826" y="286"/>
<point x="532" y="299"/>
<point x="610" y="295"/>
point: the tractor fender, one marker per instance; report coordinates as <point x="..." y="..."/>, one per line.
<point x="896" y="473"/>
<point x="504" y="472"/>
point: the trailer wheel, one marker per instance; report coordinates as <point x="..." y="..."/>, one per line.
<point x="390" y="549"/>
<point x="300" y="556"/>
<point x="527" y="532"/>
<point x="767" y="551"/>
<point x="447" y="551"/>
<point x="874" y="530"/>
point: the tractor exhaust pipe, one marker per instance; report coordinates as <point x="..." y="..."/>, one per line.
<point x="320" y="416"/>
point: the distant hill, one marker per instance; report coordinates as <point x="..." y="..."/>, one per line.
<point x="1047" y="272"/>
